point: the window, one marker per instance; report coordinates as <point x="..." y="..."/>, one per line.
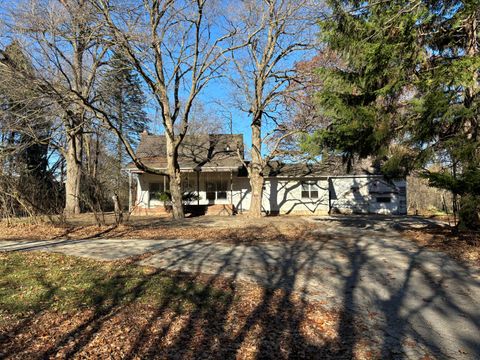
<point x="384" y="199"/>
<point x="216" y="187"/>
<point x="156" y="189"/>
<point x="402" y="191"/>
<point x="309" y="190"/>
<point x="188" y="183"/>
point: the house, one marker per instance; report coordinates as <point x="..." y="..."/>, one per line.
<point x="215" y="178"/>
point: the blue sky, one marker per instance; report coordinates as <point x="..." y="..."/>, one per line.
<point x="215" y="99"/>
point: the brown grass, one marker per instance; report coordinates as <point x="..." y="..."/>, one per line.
<point x="464" y="247"/>
<point x="239" y="230"/>
<point x="162" y="315"/>
<point x="230" y="230"/>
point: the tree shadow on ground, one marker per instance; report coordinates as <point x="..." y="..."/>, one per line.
<point x="224" y="318"/>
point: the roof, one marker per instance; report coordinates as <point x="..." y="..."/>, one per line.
<point x="331" y="167"/>
<point x="195" y="151"/>
<point x="210" y="152"/>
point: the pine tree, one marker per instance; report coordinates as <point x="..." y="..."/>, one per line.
<point x="26" y="128"/>
<point x="408" y="92"/>
<point x="123" y="98"/>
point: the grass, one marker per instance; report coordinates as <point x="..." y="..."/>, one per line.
<point x="32" y="282"/>
<point x="58" y="306"/>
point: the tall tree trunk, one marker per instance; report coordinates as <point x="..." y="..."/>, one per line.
<point x="73" y="161"/>
<point x="119" y="144"/>
<point x="173" y="170"/>
<point x="471" y="29"/>
<point x="255" y="171"/>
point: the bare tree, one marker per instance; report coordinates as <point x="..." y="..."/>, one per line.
<point x="64" y="39"/>
<point x="177" y="48"/>
<point x="263" y="74"/>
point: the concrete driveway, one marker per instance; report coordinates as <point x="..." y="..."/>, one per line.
<point x="415" y="301"/>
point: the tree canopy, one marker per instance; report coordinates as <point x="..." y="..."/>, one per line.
<point x="407" y="92"/>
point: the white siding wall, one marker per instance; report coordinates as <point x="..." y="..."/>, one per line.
<point x="362" y="194"/>
<point x="284" y="196"/>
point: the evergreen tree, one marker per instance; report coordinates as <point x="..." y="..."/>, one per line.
<point x="408" y="92"/>
<point x="123" y="99"/>
<point x="26" y="129"/>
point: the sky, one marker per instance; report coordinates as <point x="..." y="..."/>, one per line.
<point x="216" y="98"/>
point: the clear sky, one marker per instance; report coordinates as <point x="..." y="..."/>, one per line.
<point x="216" y="99"/>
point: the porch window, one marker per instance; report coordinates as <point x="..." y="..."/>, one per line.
<point x="309" y="190"/>
<point x="156" y="189"/>
<point x="188" y="183"/>
<point x="217" y="188"/>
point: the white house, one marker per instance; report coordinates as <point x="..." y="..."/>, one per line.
<point x="215" y="177"/>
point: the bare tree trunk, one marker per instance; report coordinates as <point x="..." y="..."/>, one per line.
<point x="256" y="183"/>
<point x="117" y="209"/>
<point x="471" y="29"/>
<point x="119" y="146"/>
<point x="173" y="170"/>
<point x="256" y="168"/>
<point x="73" y="161"/>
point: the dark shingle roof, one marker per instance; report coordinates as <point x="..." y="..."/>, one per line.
<point x="214" y="150"/>
<point x="331" y="167"/>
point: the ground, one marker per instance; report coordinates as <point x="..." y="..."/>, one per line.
<point x="324" y="287"/>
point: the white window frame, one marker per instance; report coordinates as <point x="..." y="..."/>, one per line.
<point x="164" y="186"/>
<point x="220" y="192"/>
<point x="309" y="190"/>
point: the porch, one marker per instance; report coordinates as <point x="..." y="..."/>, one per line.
<point x="215" y="192"/>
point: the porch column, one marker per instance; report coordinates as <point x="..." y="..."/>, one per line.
<point x="198" y="186"/>
<point x="231" y="189"/>
<point x="130" y="192"/>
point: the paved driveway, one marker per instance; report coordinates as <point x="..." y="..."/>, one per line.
<point x="414" y="300"/>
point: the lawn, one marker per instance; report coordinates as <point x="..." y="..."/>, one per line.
<point x="54" y="305"/>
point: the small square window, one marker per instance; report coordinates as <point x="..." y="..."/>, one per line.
<point x="309" y="190"/>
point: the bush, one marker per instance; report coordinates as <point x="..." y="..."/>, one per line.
<point x="469" y="218"/>
<point x="187" y="197"/>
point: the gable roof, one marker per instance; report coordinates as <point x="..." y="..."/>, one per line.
<point x="195" y="151"/>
